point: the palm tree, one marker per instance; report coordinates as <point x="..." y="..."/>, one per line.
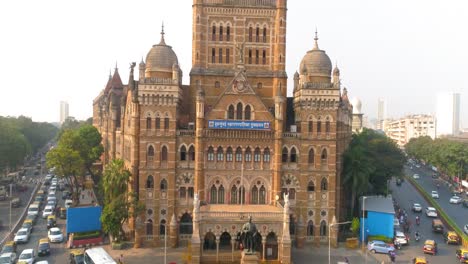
<point x="116" y="179"/>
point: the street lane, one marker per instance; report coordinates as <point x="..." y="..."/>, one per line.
<point x="457" y="212"/>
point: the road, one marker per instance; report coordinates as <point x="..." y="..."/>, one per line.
<point x="457" y="212"/>
<point x="405" y="195"/>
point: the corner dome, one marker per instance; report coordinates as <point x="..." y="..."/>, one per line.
<point x="316" y="62"/>
<point x="161" y="57"/>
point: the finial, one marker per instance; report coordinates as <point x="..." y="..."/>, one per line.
<point x="162" y="34"/>
<point x="110" y="74"/>
<point x="116" y="65"/>
<point x="316" y="40"/>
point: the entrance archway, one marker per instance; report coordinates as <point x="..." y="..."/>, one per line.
<point x="225" y="241"/>
<point x="209" y="242"/>
<point x="271" y="247"/>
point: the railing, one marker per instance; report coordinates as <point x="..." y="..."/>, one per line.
<point x="291" y="135"/>
<point x="239" y="134"/>
<point x="190" y="133"/>
<point x="237" y="215"/>
<point x="271" y="3"/>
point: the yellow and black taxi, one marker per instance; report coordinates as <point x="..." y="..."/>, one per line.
<point x="10" y="246"/>
<point x="76" y="256"/>
<point x="419" y="260"/>
<point x="430" y="246"/>
<point x="462" y="255"/>
<point x="43" y="248"/>
<point x="28" y="223"/>
<point x="63" y="213"/>
<point x="452" y="238"/>
<point x="51" y="221"/>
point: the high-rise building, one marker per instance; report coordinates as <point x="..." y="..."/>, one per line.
<point x="63" y="111"/>
<point x="448" y="114"/>
<point x="229" y="145"/>
<point x="357" y="115"/>
<point x="408" y="127"/>
<point x="381" y="113"/>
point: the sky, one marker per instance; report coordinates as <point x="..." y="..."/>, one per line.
<point x="402" y="51"/>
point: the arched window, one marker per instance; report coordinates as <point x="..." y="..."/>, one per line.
<point x="293" y="157"/>
<point x="220" y="154"/>
<point x="257" y="155"/>
<point x="164" y="153"/>
<point x="311" y="186"/>
<point x="220" y="33"/>
<point x="264" y="34"/>
<point x="150" y="152"/>
<point x="186" y="227"/>
<point x="254" y="195"/>
<point x="238" y="154"/>
<point x="310" y="228"/>
<point x="248" y="155"/>
<point x="239" y="111"/>
<point x="220" y="55"/>
<point x="292" y="193"/>
<point x="259" y="85"/>
<point x="213" y="195"/>
<point x="319" y="127"/>
<point x="183" y="153"/>
<point x="210" y="154"/>
<point x="213" y="33"/>
<point x="190" y="192"/>
<point x="221" y="194"/>
<point x="209" y="242"/>
<point x="262" y="195"/>
<point x="163" y="185"/>
<point x="149" y="227"/>
<point x="311" y="126"/>
<point x="284" y="155"/>
<point x="257" y="34"/>
<point x="217" y="84"/>
<point x="158" y="122"/>
<point x="229" y="154"/>
<point x="311" y="158"/>
<point x="257" y="56"/>
<point x="327" y="127"/>
<point x="213" y="55"/>
<point x="266" y="155"/>
<point x="250" y="34"/>
<point x="323" y="228"/>
<point x="234" y="195"/>
<point x="182" y="192"/>
<point x="162" y="227"/>
<point x="191" y="153"/>
<point x="166" y="123"/>
<point x="324" y="184"/>
<point x="247" y="112"/>
<point x="225" y="241"/>
<point x="228" y="33"/>
<point x="241" y="195"/>
<point x="264" y="57"/>
<point x="250" y="56"/>
<point x="150" y="182"/>
<point x="148" y="123"/>
<point x="324" y="157"/>
<point x="227" y="55"/>
<point x="231" y="112"/>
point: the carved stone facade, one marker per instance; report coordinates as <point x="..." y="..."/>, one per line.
<point x="231" y="137"/>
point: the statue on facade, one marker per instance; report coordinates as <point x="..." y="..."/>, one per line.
<point x="249" y="234"/>
<point x="240" y="50"/>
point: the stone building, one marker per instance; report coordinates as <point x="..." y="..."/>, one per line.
<point x="231" y="138"/>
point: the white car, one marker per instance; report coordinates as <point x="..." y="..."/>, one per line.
<point x="22" y="236"/>
<point x="42" y="262"/>
<point x="431" y="212"/>
<point x="401" y="238"/>
<point x="455" y="199"/>
<point x="68" y="203"/>
<point x="48" y="210"/>
<point x="52" y="191"/>
<point x="55" y="235"/>
<point x="416" y="176"/>
<point x="465" y="229"/>
<point x="51" y="198"/>
<point x="435" y="194"/>
<point x="8" y="258"/>
<point x="417" y="207"/>
<point x="396" y="223"/>
<point x="27" y="256"/>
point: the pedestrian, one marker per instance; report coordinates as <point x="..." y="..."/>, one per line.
<point x="121" y="259"/>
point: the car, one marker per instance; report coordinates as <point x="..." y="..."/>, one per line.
<point x="51" y="197"/>
<point x="52" y="203"/>
<point x="430" y="246"/>
<point x="465" y="229"/>
<point x="431" y="212"/>
<point x="51" y="221"/>
<point x="33" y="209"/>
<point x="48" y="210"/>
<point x="68" y="203"/>
<point x="42" y="262"/>
<point x="52" y="191"/>
<point x="22" y="236"/>
<point x="451" y="237"/>
<point x="435" y="194"/>
<point x="396" y="223"/>
<point x="27" y="256"/>
<point x="43" y="248"/>
<point x="437" y="226"/>
<point x="462" y="255"/>
<point x="31" y="217"/>
<point x="455" y="200"/>
<point x="38" y="199"/>
<point x="419" y="260"/>
<point x="418" y="166"/>
<point x="416" y="176"/>
<point x="417" y="207"/>
<point x="8" y="258"/>
<point x="76" y="256"/>
<point x="55" y="235"/>
<point x="28" y="224"/>
<point x="10" y="246"/>
<point x="401" y="238"/>
<point x="66" y="195"/>
<point x="377" y="246"/>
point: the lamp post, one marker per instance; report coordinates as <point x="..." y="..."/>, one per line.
<point x="363" y="222"/>
<point x="329" y="236"/>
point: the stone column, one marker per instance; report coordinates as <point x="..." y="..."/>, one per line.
<point x="300" y="236"/>
<point x="138" y="232"/>
<point x="263" y="247"/>
<point x="233" y="244"/>
<point x="334" y="233"/>
<point x="196" y="242"/>
<point x="173" y="232"/>
<point x="217" y="248"/>
<point x="286" y="238"/>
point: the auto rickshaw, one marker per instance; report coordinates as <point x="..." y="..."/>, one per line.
<point x="76" y="256"/>
<point x="63" y="213"/>
<point x="430" y="246"/>
<point x="419" y="260"/>
<point x="452" y="238"/>
<point x="51" y="221"/>
<point x="462" y="255"/>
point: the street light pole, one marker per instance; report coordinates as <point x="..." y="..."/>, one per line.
<point x="363" y="222"/>
<point x="329" y="238"/>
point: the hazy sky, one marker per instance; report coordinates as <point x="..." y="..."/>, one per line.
<point x="400" y="50"/>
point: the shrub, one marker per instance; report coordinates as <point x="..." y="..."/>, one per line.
<point x="381" y="238"/>
<point x="86" y="235"/>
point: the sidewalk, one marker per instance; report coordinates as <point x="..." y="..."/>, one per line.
<point x="148" y="255"/>
<point x="87" y="196"/>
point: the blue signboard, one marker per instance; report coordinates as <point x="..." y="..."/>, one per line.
<point x="239" y="124"/>
<point x="83" y="219"/>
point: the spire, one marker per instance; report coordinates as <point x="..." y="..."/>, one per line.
<point x="162" y="42"/>
<point x="110" y="74"/>
<point x="316" y="40"/>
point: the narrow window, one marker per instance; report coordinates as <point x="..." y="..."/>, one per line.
<point x="182" y="192"/>
<point x="148" y="123"/>
<point x="183" y="153"/>
<point x="231" y="112"/>
<point x="324" y="157"/>
<point x="150" y="182"/>
<point x="327" y="127"/>
<point x="213" y="55"/>
<point x="158" y="123"/>
<point x="319" y="127"/>
<point x="166" y="123"/>
<point x="247" y="112"/>
<point x="293" y="157"/>
<point x="163" y="185"/>
<point x="266" y="155"/>
<point x="234" y="195"/>
<point x="257" y="34"/>
<point x="257" y="155"/>
<point x="150" y="153"/>
<point x="210" y="154"/>
<point x="250" y="34"/>
<point x="190" y="192"/>
<point x="191" y="152"/>
<point x="217" y="84"/>
<point x="250" y="56"/>
<point x="238" y="154"/>
<point x="264" y="35"/>
<point x="264" y="57"/>
<point x="324" y="185"/>
<point x="164" y="154"/>
<point x="248" y="155"/>
<point x="220" y="33"/>
<point x="228" y="33"/>
<point x="213" y="195"/>
<point x="323" y="228"/>
<point x="257" y="57"/>
<point x="262" y="195"/>
<point x="220" y="154"/>
<point x="259" y="85"/>
<point x="239" y="111"/>
<point x="229" y="154"/>
<point x="284" y="155"/>
<point x="311" y="186"/>
<point x="213" y="35"/>
<point x="311" y="159"/>
<point x="254" y="195"/>
<point x="220" y="55"/>
<point x="310" y="228"/>
<point x="221" y="194"/>
<point x="311" y="126"/>
<point x="227" y="55"/>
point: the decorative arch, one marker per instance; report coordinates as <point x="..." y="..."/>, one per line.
<point x="324" y="184"/>
<point x="183" y="152"/>
<point x="150" y="151"/>
<point x="164" y="154"/>
<point x="323" y="228"/>
<point x="284" y="154"/>
<point x="150" y="182"/>
<point x="186" y="226"/>
<point x="248" y="112"/>
<point x="311" y="156"/>
<point x="293" y="156"/>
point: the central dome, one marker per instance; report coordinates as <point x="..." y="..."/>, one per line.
<point x="161" y="57"/>
<point x="316" y="63"/>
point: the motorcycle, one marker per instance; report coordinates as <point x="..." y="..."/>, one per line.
<point x="397" y="245"/>
<point x="392" y="256"/>
<point x="417" y="236"/>
<point x="418" y="220"/>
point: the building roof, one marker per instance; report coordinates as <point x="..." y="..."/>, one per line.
<point x="161" y="57"/>
<point x="379" y="204"/>
<point x="316" y="62"/>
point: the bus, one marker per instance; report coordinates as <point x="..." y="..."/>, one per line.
<point x="98" y="256"/>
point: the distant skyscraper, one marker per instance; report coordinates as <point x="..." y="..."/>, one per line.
<point x="381" y="113"/>
<point x="448" y="113"/>
<point x="63" y="111"/>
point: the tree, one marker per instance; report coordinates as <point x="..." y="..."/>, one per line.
<point x="13" y="147"/>
<point x="89" y="146"/>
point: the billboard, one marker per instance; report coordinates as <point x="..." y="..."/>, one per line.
<point x="83" y="219"/>
<point x="239" y="124"/>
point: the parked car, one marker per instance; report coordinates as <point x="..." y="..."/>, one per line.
<point x="437" y="226"/>
<point x="401" y="238"/>
<point x="430" y="246"/>
<point x="377" y="246"/>
<point x="22" y="236"/>
<point x="49" y="210"/>
<point x="419" y="260"/>
<point x="55" y="235"/>
<point x="452" y="238"/>
<point x="431" y="212"/>
<point x="435" y="194"/>
<point x="28" y="224"/>
<point x="76" y="256"/>
<point x="27" y="256"/>
<point x="455" y="200"/>
<point x="43" y="248"/>
<point x="416" y="176"/>
<point x="10" y="246"/>
<point x="417" y="207"/>
<point x="8" y="258"/>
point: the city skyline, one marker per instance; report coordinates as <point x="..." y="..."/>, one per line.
<point x="400" y="60"/>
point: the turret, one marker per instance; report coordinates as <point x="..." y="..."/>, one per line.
<point x="296" y="82"/>
<point x="176" y="73"/>
<point x="336" y="77"/>
<point x="142" y="68"/>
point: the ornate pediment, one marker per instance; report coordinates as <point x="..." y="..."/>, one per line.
<point x="239" y="85"/>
